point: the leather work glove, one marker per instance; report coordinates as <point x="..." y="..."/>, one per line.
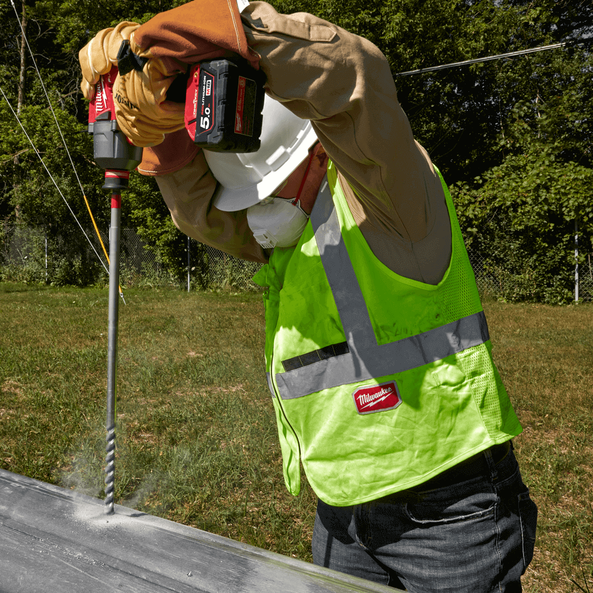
<point x="160" y="50"/>
<point x="142" y="110"/>
<point x="99" y="55"/>
<point x="157" y="53"/>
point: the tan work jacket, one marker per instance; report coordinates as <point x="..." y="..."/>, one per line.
<point x="343" y="84"/>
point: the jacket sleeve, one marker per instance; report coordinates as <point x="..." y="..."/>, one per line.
<point x="343" y="84"/>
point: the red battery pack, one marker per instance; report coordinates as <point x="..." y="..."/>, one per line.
<point x="223" y="105"/>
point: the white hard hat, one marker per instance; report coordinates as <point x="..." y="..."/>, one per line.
<point x="247" y="178"/>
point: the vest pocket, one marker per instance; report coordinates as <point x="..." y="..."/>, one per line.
<point x="312" y="357"/>
<point x="447" y="374"/>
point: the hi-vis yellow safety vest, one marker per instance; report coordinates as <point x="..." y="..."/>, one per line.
<point x="379" y="382"/>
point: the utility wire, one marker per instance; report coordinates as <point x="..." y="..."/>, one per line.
<point x="51" y="176"/>
<point x="46" y="94"/>
<point x="67" y="152"/>
<point x="512" y="54"/>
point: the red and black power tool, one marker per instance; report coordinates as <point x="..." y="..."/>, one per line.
<point x="112" y="150"/>
<point x="224" y="102"/>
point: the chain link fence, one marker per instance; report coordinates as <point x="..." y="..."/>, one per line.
<point x="205" y="266"/>
<point x="26" y="255"/>
<point x="500" y="282"/>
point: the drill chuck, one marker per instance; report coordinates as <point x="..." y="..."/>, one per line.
<point x="112" y="150"/>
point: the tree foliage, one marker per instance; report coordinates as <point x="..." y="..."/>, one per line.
<point x="523" y="216"/>
<point x="493" y="128"/>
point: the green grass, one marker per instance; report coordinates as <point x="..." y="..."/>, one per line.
<point x="196" y="436"/>
<point x="545" y="356"/>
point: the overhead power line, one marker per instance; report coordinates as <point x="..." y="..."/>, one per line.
<point x="51" y="176"/>
<point x="46" y="94"/>
<point x="67" y="152"/>
<point x="513" y="54"/>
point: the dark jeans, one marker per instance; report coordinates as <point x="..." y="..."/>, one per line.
<point x="471" y="529"/>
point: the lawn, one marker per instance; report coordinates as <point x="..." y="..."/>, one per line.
<point x="196" y="434"/>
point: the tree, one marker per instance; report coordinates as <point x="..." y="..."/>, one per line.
<point x="521" y="216"/>
<point x="460" y="115"/>
<point x="28" y="195"/>
<point x="471" y="119"/>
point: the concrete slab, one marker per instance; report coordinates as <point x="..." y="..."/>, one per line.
<point x="52" y="539"/>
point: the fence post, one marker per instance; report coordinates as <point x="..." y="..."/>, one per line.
<point x="576" y="257"/>
<point x="45" y="233"/>
<point x="188" y="263"/>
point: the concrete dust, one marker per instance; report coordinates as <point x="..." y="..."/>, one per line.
<point x="93" y="517"/>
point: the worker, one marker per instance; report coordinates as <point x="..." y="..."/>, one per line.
<point x="377" y="349"/>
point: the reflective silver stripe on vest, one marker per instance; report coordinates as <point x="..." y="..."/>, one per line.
<point x="270" y="384"/>
<point x="367" y="359"/>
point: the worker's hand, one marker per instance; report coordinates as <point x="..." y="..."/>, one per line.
<point x="99" y="55"/>
<point x="161" y="49"/>
<point x="143" y="113"/>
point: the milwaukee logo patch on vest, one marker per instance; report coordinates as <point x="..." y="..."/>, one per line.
<point x="377" y="399"/>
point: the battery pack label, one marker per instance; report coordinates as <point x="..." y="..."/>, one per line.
<point x="223" y="105"/>
<point x="245" y="107"/>
<point x="206" y="108"/>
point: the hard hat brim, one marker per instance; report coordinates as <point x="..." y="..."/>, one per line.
<point x="232" y="200"/>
